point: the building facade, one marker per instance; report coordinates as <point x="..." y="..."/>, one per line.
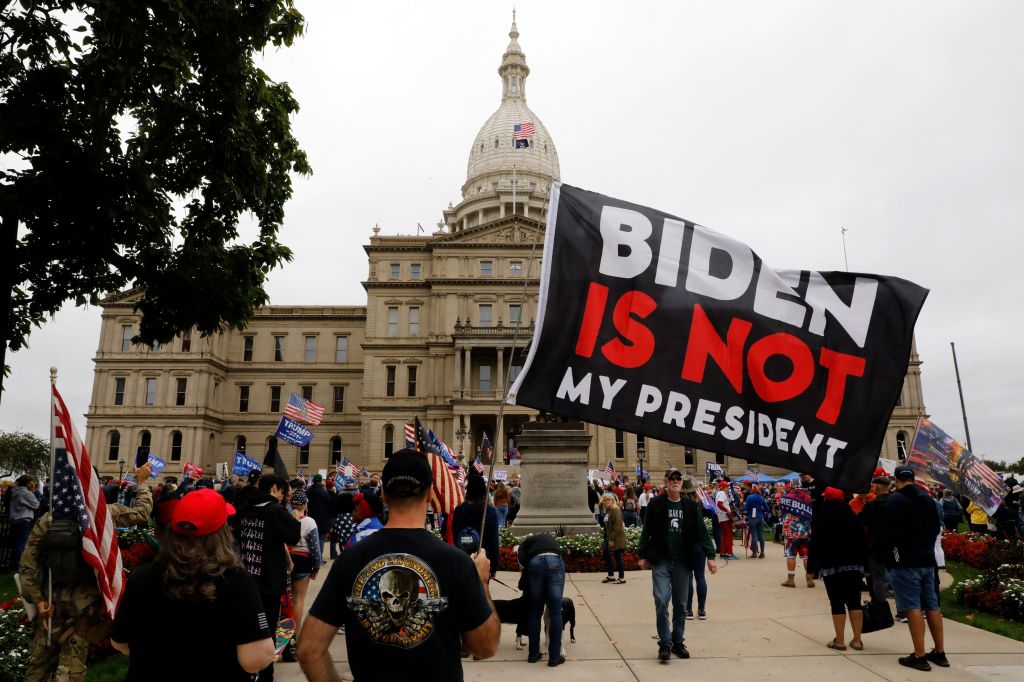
<point x="444" y="329"/>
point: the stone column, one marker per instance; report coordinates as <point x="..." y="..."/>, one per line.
<point x="458" y="371"/>
<point x="554" y="479"/>
<point x="500" y="379"/>
<point x="467" y="378"/>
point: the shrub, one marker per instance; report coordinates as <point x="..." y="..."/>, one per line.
<point x="15" y="638"/>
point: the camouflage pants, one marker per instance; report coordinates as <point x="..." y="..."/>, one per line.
<point x="79" y="621"/>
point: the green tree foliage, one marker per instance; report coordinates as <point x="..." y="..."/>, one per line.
<point x="23" y="453"/>
<point x="133" y="135"/>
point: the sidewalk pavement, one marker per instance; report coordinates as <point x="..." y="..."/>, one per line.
<point x="756" y="630"/>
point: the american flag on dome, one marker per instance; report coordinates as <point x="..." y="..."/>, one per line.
<point x="304" y="411"/>
<point x="522" y="131"/>
<point x="77" y="496"/>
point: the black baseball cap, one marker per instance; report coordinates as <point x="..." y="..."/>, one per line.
<point x="406" y="474"/>
<point x="904" y="473"/>
<point x="672" y="471"/>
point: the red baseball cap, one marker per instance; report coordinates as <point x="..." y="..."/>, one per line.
<point x="200" y="513"/>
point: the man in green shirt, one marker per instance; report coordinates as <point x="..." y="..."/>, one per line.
<point x="673" y="528"/>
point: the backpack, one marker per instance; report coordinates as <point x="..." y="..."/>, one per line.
<point x="468" y="540"/>
<point x="629" y="505"/>
<point x="63" y="545"/>
<point x="950" y="507"/>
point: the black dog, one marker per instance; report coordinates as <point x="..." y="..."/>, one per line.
<point x="517" y="611"/>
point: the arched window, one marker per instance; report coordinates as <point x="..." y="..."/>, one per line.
<point x="175" y="446"/>
<point x="336" y="450"/>
<point x="115" y="446"/>
<point x="901" y="444"/>
<point x="144" y="441"/>
<point x="240" y="444"/>
<point x="389" y="440"/>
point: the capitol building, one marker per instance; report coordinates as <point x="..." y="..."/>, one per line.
<point x="446" y="319"/>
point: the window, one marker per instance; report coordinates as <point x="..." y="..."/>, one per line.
<point x="115" y="445"/>
<point x="641" y="442"/>
<point x="180" y="385"/>
<point x="310" y="351"/>
<point x="414" y="322"/>
<point x="620" y="445"/>
<point x="486" y="268"/>
<point x="515" y="313"/>
<point x="339" y="399"/>
<point x="336" y="450"/>
<point x="186" y="342"/>
<point x="516" y="267"/>
<point x="415" y="270"/>
<point x="119" y="391"/>
<point x="396" y="271"/>
<point x="144" y="441"/>
<point x="719" y="458"/>
<point x="243" y="398"/>
<point x="341" y="349"/>
<point x="240" y="443"/>
<point x="389" y="440"/>
<point x="901" y="444"/>
<point x="151" y="391"/>
<point x="486" y="318"/>
<point x="126" y="338"/>
<point x="275" y="398"/>
<point x="412" y="380"/>
<point x="513" y="372"/>
<point x="247" y="348"/>
<point x="278" y="349"/>
<point x="307" y="392"/>
<point x="175" y="446"/>
<point x="393" y="322"/>
<point x="304" y="454"/>
<point x="485" y="377"/>
<point x="689" y="455"/>
<point x="389" y="381"/>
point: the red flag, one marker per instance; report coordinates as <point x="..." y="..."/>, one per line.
<point x="78" y="481"/>
<point x="192" y="471"/>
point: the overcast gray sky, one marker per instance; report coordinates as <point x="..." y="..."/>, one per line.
<point x="775" y="123"/>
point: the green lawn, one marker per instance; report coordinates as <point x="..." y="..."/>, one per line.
<point x="113" y="668"/>
<point x="7" y="588"/>
<point x="986" y="621"/>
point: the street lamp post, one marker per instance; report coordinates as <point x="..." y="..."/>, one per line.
<point x="641" y="454"/>
<point x="460" y="435"/>
<point x="120" y="469"/>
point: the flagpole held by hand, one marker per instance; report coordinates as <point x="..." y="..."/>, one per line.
<point x="48" y="607"/>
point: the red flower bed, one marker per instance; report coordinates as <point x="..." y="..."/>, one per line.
<point x="968" y="548"/>
<point x="573" y="564"/>
<point x="135" y="555"/>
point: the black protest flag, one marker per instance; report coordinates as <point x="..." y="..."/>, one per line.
<point x="655" y="325"/>
<point x="273" y="459"/>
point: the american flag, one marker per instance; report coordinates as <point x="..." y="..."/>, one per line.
<point x="410" y="436"/>
<point x="704" y="499"/>
<point x="522" y="131"/>
<point x="77" y="495"/>
<point x="302" y="410"/>
<point x="462" y="476"/>
<point x="445" y="493"/>
<point x="753" y="474"/>
<point x="478" y="465"/>
<point x="350" y="469"/>
<point x="609" y="471"/>
<point x="486" y="449"/>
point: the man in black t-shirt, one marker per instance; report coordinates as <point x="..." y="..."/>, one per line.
<point x="403" y="596"/>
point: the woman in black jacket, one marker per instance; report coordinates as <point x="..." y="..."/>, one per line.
<point x="838" y="555"/>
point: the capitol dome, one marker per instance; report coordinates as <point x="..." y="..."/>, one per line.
<point x="494" y="152"/>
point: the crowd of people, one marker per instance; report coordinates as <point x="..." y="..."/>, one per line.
<point x="233" y="553"/>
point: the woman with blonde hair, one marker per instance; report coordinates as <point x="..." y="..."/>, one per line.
<point x="614" y="538"/>
<point x="194" y="597"/>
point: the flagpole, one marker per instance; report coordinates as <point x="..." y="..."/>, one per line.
<point x="53" y="460"/>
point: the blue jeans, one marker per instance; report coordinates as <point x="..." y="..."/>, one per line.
<point x="629" y="519"/>
<point x="502" y="513"/>
<point x="671" y="579"/>
<point x="546" y="574"/>
<point x="756" y="534"/>
<point x="702" y="586"/>
<point x="19" y="538"/>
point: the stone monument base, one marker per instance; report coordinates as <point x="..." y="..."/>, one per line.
<point x="554" y="482"/>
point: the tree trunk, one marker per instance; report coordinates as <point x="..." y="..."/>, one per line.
<point x="8" y="241"/>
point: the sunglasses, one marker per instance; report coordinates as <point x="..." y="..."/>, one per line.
<point x="675" y="478"/>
